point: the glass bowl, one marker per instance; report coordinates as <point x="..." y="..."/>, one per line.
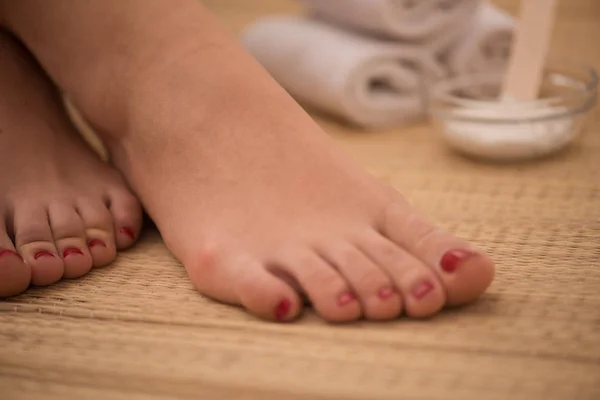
<point x="470" y="117"/>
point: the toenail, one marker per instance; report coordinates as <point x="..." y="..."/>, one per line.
<point x="346" y="298"/>
<point x="96" y="242"/>
<point x="422" y="289"/>
<point x="282" y="309"/>
<point x="451" y="260"/>
<point x="41" y="254"/>
<point x="5" y="252"/>
<point x="71" y="251"/>
<point x="386" y="292"/>
<point x="127" y="231"/>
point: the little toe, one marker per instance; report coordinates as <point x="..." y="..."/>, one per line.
<point x="264" y="294"/>
<point x="127" y="217"/>
<point x="329" y="293"/>
<point x="377" y="293"/>
<point x="70" y="239"/>
<point x="99" y="231"/>
<point x="15" y="275"/>
<point x="33" y="238"/>
<point x="421" y="290"/>
<point x="239" y="279"/>
<point x="465" y="272"/>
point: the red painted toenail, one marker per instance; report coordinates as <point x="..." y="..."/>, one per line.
<point x="386" y="292"/>
<point x="71" y="251"/>
<point x="5" y="252"/>
<point x="282" y="309"/>
<point x="346" y="298"/>
<point x="41" y="254"/>
<point x="422" y="289"/>
<point x="451" y="260"/>
<point x="96" y="242"/>
<point x="127" y="231"/>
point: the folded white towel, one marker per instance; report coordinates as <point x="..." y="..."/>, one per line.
<point x="486" y="43"/>
<point x="408" y="20"/>
<point x="369" y="82"/>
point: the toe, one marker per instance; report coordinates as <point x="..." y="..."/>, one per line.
<point x="99" y="231"/>
<point x="464" y="271"/>
<point x="35" y="243"/>
<point x="377" y="293"/>
<point x="15" y="275"/>
<point x="70" y="240"/>
<point x="329" y="293"/>
<point x="264" y="294"/>
<point x="239" y="279"/>
<point x="421" y="291"/>
<point x="127" y="217"/>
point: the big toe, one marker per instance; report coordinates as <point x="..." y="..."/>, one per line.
<point x="15" y="275"/>
<point x="464" y="271"/>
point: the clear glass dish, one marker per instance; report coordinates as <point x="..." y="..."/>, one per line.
<point x="468" y="114"/>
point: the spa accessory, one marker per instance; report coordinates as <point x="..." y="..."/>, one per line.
<point x="372" y="62"/>
<point x="530" y="49"/>
<point x="518" y="132"/>
<point x="484" y="45"/>
<point x="464" y="35"/>
<point x="502" y="116"/>
<point x="406" y="20"/>
<point x="484" y="127"/>
<point x="371" y="83"/>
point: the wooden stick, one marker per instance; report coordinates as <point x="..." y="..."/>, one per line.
<point x="530" y="49"/>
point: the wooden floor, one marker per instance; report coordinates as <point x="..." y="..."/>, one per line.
<point x="138" y="329"/>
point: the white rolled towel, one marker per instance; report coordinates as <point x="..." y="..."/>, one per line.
<point x="486" y="43"/>
<point x="367" y="82"/>
<point x="408" y="20"/>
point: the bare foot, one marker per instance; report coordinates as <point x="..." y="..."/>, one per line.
<point x="62" y="209"/>
<point x="247" y="191"/>
<point x="255" y="200"/>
